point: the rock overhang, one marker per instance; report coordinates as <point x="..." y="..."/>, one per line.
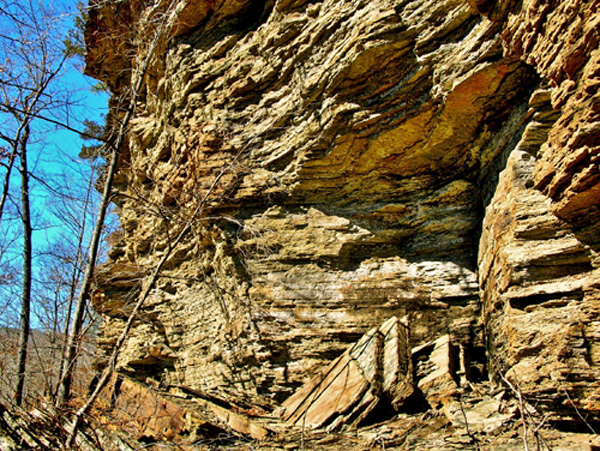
<point x="373" y="136"/>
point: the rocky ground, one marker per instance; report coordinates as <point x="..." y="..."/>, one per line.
<point x="482" y="417"/>
<point x="431" y="161"/>
<point x="379" y="394"/>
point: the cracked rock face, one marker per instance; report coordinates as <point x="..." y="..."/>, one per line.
<point x="382" y="158"/>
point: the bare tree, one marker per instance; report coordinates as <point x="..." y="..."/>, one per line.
<point x="63" y="256"/>
<point x="31" y="61"/>
<point x="160" y="22"/>
<point x="34" y="49"/>
<point x="24" y="324"/>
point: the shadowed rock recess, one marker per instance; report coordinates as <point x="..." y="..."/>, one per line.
<point x="435" y="161"/>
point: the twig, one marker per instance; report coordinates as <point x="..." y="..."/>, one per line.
<point x="142" y="298"/>
<point x="469" y="433"/>
<point x="521" y="409"/>
<point x="537" y="435"/>
<point x="578" y="413"/>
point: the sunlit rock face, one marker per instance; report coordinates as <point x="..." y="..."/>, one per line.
<point x="430" y="159"/>
<point x="538" y="256"/>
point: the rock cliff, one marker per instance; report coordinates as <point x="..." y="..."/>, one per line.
<point x="357" y="160"/>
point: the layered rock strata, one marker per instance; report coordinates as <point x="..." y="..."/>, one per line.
<point x="436" y="160"/>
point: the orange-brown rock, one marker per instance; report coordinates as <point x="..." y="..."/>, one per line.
<point x="562" y="43"/>
<point x="540" y="284"/>
<point x="146" y="414"/>
<point x="435" y="159"/>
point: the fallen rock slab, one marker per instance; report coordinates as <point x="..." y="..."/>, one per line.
<point x="436" y="364"/>
<point x="376" y="369"/>
<point x="149" y="414"/>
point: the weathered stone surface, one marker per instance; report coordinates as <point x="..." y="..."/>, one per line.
<point x="540" y="283"/>
<point x="146" y="414"/>
<point x="562" y="43"/>
<point x="485" y="416"/>
<point x="383" y="158"/>
<point x="330" y="223"/>
<point x="377" y="368"/>
<point x="436" y="370"/>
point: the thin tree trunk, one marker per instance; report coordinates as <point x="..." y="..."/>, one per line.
<point x="73" y="339"/>
<point x="75" y="275"/>
<point x="24" y="327"/>
<point x="71" y="351"/>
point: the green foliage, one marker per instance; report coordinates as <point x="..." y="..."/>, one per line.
<point x="93" y="132"/>
<point x="74" y="42"/>
<point x="100" y="87"/>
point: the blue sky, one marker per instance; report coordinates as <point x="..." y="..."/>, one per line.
<point x="53" y="159"/>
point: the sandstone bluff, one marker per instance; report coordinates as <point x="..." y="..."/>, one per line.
<point x="432" y="163"/>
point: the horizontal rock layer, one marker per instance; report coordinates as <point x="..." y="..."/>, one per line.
<point x="381" y="158"/>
